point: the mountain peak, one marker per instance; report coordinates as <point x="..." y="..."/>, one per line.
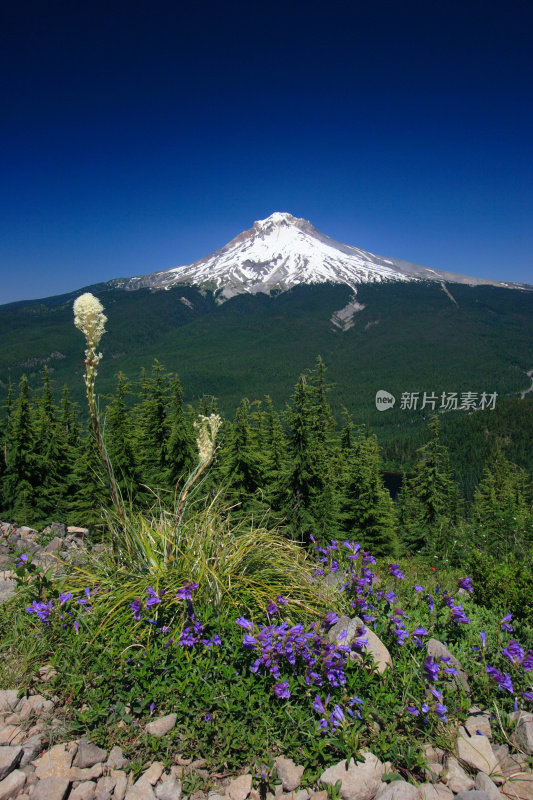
<point x="282" y="251"/>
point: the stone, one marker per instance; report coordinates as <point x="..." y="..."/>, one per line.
<point x="487" y="785"/>
<point x="433" y="771"/>
<point x="51" y="789"/>
<point x="55" y="763"/>
<point x="359" y="781"/>
<point x="59" y="529"/>
<point x="456" y="778"/>
<point x="375" y="646"/>
<point x="437" y="650"/>
<point x="78" y="532"/>
<point x="522" y="735"/>
<point x="162" y="725"/>
<point x="398" y="790"/>
<point x="430" y="791"/>
<point x="89" y="754"/>
<point x="169" y="790"/>
<point x="239" y="788"/>
<point x="8" y="700"/>
<point x="323" y="795"/>
<point x="54" y="545"/>
<point x="140" y="792"/>
<point x="520" y="787"/>
<point x="476" y="752"/>
<point x="31" y="748"/>
<point x="47" y="672"/>
<point x="301" y="794"/>
<point x="11" y="735"/>
<point x="10" y="758"/>
<point x="154" y="772"/>
<point x="473" y="794"/>
<point x="11" y="786"/>
<point x="289" y="774"/>
<point x="116" y="759"/>
<point x="105" y="785"/>
<point x="434" y="754"/>
<point x="86" y="773"/>
<point x="35" y="705"/>
<point x="7" y="590"/>
<point x="479" y="722"/>
<point x="84" y="791"/>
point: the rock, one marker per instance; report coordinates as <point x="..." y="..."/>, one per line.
<point x="162" y="725"/>
<point x="34" y="705"/>
<point x="55" y="763"/>
<point x="10" y="758"/>
<point x="153" y="773"/>
<point x="7" y="590"/>
<point x="169" y="790"/>
<point x="479" y="721"/>
<point x="437" y="650"/>
<point x="11" y="735"/>
<point x="11" y="786"/>
<point x="433" y="771"/>
<point x="47" y="672"/>
<point x="140" y="792"/>
<point x="116" y="759"/>
<point x="31" y="748"/>
<point x="434" y="754"/>
<point x="522" y="736"/>
<point x="289" y="774"/>
<point x="239" y="788"/>
<point x="375" y="646"/>
<point x="430" y="791"/>
<point x="473" y="794"/>
<point x="86" y="773"/>
<point x="51" y="789"/>
<point x="485" y="784"/>
<point x="80" y="533"/>
<point x="89" y="754"/>
<point x="476" y="752"/>
<point x="59" y="529"/>
<point x="301" y="794"/>
<point x="105" y="786"/>
<point x="8" y="699"/>
<point x="84" y="791"/>
<point x="520" y="787"/>
<point x="359" y="781"/>
<point x="323" y="795"/>
<point x="398" y="790"/>
<point x="54" y="545"/>
<point x="456" y="778"/>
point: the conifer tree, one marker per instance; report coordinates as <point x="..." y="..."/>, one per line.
<point x="181" y="446"/>
<point x="367" y="508"/>
<point x="429" y="500"/>
<point x="119" y="440"/>
<point x="92" y="493"/>
<point x="22" y="474"/>
<point x="244" y="463"/>
<point x="51" y="449"/>
<point x="152" y="428"/>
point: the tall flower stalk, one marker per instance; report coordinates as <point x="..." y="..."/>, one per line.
<point x="207" y="428"/>
<point x="90" y="319"/>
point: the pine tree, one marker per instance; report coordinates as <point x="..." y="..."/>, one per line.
<point x="244" y="463"/>
<point x="22" y="474"/>
<point x="118" y="439"/>
<point x="92" y="493"/>
<point x="367" y="508"/>
<point x="429" y="500"/>
<point x="181" y="446"/>
<point x="152" y="428"/>
<point x="51" y="449"/>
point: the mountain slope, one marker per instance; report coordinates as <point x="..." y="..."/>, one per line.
<point x="281" y="252"/>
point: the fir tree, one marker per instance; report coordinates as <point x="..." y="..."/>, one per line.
<point x="181" y="446"/>
<point x="22" y="474"/>
<point x="119" y="440"/>
<point x="152" y="428"/>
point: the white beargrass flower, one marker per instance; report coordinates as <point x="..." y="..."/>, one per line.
<point x="207" y="433"/>
<point x="90" y="319"/>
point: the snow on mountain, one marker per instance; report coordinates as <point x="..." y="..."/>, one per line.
<point x="282" y="251"/>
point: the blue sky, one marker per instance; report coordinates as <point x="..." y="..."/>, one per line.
<point x="138" y="137"/>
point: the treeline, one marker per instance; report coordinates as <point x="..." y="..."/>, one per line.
<point x="319" y="480"/>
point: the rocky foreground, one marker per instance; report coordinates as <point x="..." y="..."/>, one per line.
<point x="39" y="760"/>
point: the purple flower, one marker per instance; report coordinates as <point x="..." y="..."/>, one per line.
<point x="185" y="592"/>
<point x="21" y="560"/>
<point x="502" y="679"/>
<point x="330" y="619"/>
<point x="441" y="711"/>
<point x="514" y="652"/>
<point x="153" y="600"/>
<point x="208" y="717"/>
<point x="318" y="705"/>
<point x="42" y="610"/>
<point x="151" y="708"/>
<point x="431" y="670"/>
<point x="64" y="597"/>
<point x="527" y="663"/>
<point x="282" y="690"/>
<point x="367" y="558"/>
<point x="390" y="597"/>
<point x="483" y="636"/>
<point x="271" y="608"/>
<point x="249" y="642"/>
<point x="413" y="710"/>
<point x="394" y="569"/>
<point x="466" y="583"/>
<point x="337" y="716"/>
<point x="282" y="601"/>
<point x="244" y="623"/>
<point x="431" y="602"/>
<point x="420" y="632"/>
<point x="216" y="640"/>
<point x="76" y="626"/>
<point x="528" y="695"/>
<point x="136" y="608"/>
<point x="418" y="588"/>
<point x="505" y="623"/>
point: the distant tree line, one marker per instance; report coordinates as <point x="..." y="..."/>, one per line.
<point x="319" y="481"/>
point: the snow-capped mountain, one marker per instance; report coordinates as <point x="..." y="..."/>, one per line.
<point x="283" y="251"/>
